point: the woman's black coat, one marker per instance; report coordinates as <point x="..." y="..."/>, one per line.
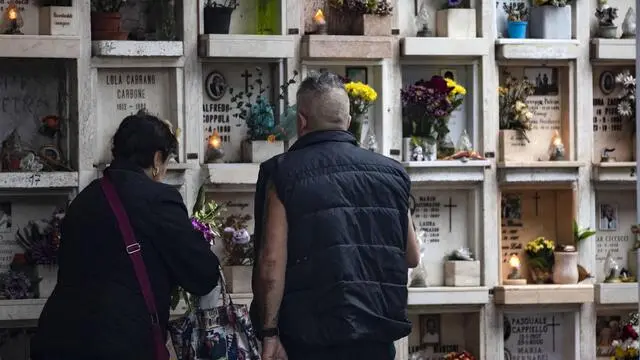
<point x="97" y="310"/>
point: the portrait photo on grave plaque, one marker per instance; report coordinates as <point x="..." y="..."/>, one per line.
<point x="441" y="336"/>
<point x="35" y="116"/>
<point x="537" y="336"/>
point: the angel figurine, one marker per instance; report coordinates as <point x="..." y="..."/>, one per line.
<point x="422" y="21"/>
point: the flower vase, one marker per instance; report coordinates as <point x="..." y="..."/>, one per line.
<point x="540" y="275"/>
<point x="355" y="127"/>
<point x="48" y="277"/>
<point x="550" y="22"/>
<point x="565" y="267"/>
<point x="517" y="29"/>
<point x="430" y="147"/>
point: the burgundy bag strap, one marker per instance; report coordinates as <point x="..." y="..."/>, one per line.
<point x="134" y="250"/>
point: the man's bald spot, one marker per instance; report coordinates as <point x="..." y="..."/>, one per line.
<point x="324" y="110"/>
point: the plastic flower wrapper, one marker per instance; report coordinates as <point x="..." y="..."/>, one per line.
<point x="462" y="254"/>
<point x="418" y="275"/>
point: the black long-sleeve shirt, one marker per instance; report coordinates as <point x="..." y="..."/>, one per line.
<point x="97" y="310"/>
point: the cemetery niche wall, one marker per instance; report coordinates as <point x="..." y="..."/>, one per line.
<point x="434" y="335"/>
<point x="427" y="18"/>
<point x="38" y="18"/>
<point x="36" y="110"/>
<point x="135" y="20"/>
<point x="259" y="17"/>
<point x="534" y="121"/>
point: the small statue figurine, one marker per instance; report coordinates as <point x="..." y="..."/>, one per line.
<point x="629" y="24"/>
<point x="611" y="270"/>
<point x="372" y="144"/>
<point x="417" y="154"/>
<point x="605" y="155"/>
<point x="556" y="149"/>
<point x="464" y="143"/>
<point x="422" y="21"/>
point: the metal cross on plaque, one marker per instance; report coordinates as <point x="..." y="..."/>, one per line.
<point x="450" y="205"/>
<point x="536" y="198"/>
<point x="553" y="326"/>
<point x="246" y="75"/>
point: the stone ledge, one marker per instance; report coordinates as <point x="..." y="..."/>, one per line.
<point x="126" y="48"/>
<point x="538" y="172"/>
<point x="40" y="46"/>
<point x="39" y="180"/>
<point x="613" y="49"/>
<point x="543" y="294"/>
<point x="617" y="294"/>
<point x="233" y="174"/>
<point x="615" y="172"/>
<point x="443" y="295"/>
<point x="447" y="171"/>
<point x="247" y="46"/>
<point x="346" y="47"/>
<point x="441" y="46"/>
<point x="537" y="49"/>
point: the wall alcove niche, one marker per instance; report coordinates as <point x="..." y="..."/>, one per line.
<point x="436" y="333"/>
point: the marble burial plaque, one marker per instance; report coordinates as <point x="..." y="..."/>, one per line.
<point x="218" y="110"/>
<point x="123" y="92"/>
<point x="441" y="223"/>
<point x="615" y="213"/>
<point x="433" y="336"/>
<point x="536" y="336"/>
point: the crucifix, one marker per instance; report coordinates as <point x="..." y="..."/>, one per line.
<point x="536" y="198"/>
<point x="553" y="326"/>
<point x="450" y="206"/>
<point x="246" y="75"/>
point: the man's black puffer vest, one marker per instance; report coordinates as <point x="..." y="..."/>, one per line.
<point x="346" y="276"/>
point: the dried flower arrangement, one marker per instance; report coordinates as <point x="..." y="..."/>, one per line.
<point x="237" y="241"/>
<point x="627" y="99"/>
<point x="15" y="285"/>
<point x="429" y="104"/>
<point x="513" y="109"/>
<point x="254" y="108"/>
<point x="361" y="97"/>
<point x="627" y="347"/>
<point x="370" y="7"/>
<point x="40" y="239"/>
<point x="516" y="11"/>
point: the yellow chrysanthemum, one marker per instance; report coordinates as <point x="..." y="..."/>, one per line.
<point x="361" y="91"/>
<point x="271" y="138"/>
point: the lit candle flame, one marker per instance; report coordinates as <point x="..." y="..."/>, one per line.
<point x="13" y="14"/>
<point x="514" y="262"/>
<point x="318" y="18"/>
<point x="214" y="140"/>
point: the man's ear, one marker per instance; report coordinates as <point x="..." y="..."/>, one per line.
<point x="302" y="123"/>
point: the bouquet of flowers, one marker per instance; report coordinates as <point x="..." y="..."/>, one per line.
<point x="627" y="99"/>
<point x="627" y="347"/>
<point x="540" y="258"/>
<point x="40" y="239"/>
<point x="429" y="104"/>
<point x="514" y="112"/>
<point x="464" y="355"/>
<point x="361" y="97"/>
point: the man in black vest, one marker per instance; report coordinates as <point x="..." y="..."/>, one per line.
<point x="335" y="240"/>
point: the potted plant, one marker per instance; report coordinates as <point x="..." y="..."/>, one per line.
<point x="515" y="118"/>
<point x="540" y="259"/>
<point x="41" y="240"/>
<point x="15" y="285"/>
<point x="517" y="14"/>
<point x="368" y="18"/>
<point x="217" y="16"/>
<point x="238" y="247"/>
<point x="550" y="19"/>
<point x="627" y="103"/>
<point x="57" y="17"/>
<point x="361" y="97"/>
<point x="105" y="20"/>
<point x="265" y="137"/>
<point x="605" y="15"/>
<point x="455" y="21"/>
<point x="428" y="106"/>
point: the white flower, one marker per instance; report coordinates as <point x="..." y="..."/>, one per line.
<point x="229" y="230"/>
<point x="624" y="108"/>
<point x="620" y="78"/>
<point x="615" y="343"/>
<point x="241" y="237"/>
<point x="634" y="344"/>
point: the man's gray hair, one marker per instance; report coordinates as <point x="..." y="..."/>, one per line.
<point x="323" y="101"/>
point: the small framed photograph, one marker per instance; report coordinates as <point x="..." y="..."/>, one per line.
<point x="545" y="80"/>
<point x="357" y="74"/>
<point x="607" y="82"/>
<point x="449" y="74"/>
<point x="429" y="329"/>
<point x="511" y="207"/>
<point x="5" y="217"/>
<point x="608" y="217"/>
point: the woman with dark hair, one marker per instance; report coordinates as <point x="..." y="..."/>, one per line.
<point x="101" y="308"/>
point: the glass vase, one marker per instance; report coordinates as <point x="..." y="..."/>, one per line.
<point x="268" y="17"/>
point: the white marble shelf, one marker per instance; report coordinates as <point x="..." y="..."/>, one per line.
<point x="175" y="172"/>
<point x="617" y="293"/>
<point x="536" y="49"/>
<point x="233" y="174"/>
<point x="615" y="172"/>
<point x="471" y="171"/>
<point x="613" y="49"/>
<point x="40" y="180"/>
<point x="448" y="295"/>
<point x="248" y="46"/>
<point x="40" y="46"/>
<point x="338" y="47"/>
<point x="543" y="294"/>
<point x="127" y="48"/>
<point x="442" y="46"/>
<point x="538" y="172"/>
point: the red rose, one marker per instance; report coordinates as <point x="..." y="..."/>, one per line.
<point x="439" y="84"/>
<point x="629" y="333"/>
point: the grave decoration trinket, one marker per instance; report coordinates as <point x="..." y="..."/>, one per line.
<point x="540" y="259"/>
<point x="423" y="21"/>
<point x="15" y="285"/>
<point x="611" y="269"/>
<point x="628" y="347"/>
<point x="565" y="265"/>
<point x="320" y="22"/>
<point x="517" y="15"/>
<point x="214" y="148"/>
<point x="629" y="24"/>
<point x="605" y="15"/>
<point x="361" y="98"/>
<point x="514" y="277"/>
<point x="556" y="148"/>
<point x="12" y="19"/>
<point x="417" y="153"/>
